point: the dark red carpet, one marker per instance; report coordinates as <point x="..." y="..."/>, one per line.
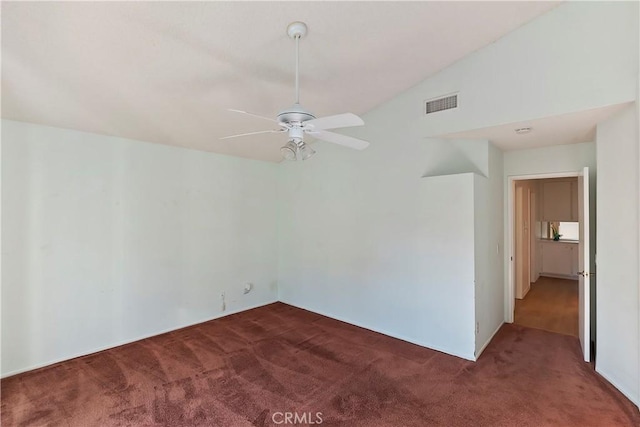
<point x="246" y="369"/>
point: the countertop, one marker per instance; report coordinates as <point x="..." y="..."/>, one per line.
<point x="559" y="241"/>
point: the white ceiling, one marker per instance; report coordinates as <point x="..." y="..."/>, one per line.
<point x="166" y="72"/>
<point x="569" y="128"/>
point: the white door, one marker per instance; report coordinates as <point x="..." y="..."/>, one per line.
<point x="584" y="263"/>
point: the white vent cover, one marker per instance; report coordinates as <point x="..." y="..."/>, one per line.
<point x="440" y="104"/>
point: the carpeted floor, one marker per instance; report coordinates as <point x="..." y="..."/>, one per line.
<point x="253" y="367"/>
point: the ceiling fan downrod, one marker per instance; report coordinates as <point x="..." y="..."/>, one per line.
<point x="297" y="30"/>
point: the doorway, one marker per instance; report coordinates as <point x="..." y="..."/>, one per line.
<point x="548" y="286"/>
<point x="546" y="254"/>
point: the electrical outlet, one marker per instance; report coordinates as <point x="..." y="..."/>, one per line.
<point x="477" y="327"/>
<point x="224" y="303"/>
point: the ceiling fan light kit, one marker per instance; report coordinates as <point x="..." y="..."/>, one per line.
<point x="297" y="121"/>
<point x="305" y="151"/>
<point x="289" y="151"/>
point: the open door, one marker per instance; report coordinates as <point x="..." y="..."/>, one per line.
<point x="584" y="263"/>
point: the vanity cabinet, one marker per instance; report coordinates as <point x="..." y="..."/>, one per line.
<point x="559" y="258"/>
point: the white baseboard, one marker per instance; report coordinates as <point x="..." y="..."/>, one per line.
<point x="329" y="315"/>
<point x="488" y="341"/>
<point x="633" y="398"/>
<point x="559" y="276"/>
<point x="383" y="332"/>
<point x="118" y="344"/>
<point x="524" y="292"/>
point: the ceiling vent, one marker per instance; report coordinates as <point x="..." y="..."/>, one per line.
<point x="442" y="103"/>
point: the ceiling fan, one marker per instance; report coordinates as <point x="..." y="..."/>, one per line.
<point x="296" y="121"/>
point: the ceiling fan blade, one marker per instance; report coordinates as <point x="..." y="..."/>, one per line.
<point x="254" y="133"/>
<point x="333" y="122"/>
<point x="340" y="139"/>
<point x="253" y="115"/>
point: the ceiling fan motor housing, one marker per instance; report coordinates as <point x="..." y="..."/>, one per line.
<point x="295" y="115"/>
<point x="296" y="134"/>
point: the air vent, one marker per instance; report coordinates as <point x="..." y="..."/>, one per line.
<point x="440" y="104"/>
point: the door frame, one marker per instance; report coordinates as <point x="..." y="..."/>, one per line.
<point x="509" y="303"/>
<point x="521" y="265"/>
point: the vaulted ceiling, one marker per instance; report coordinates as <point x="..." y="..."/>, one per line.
<point x="166" y="72"/>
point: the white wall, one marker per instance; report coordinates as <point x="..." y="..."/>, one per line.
<point x="365" y="239"/>
<point x="107" y="240"/>
<point x="489" y="250"/>
<point x="617" y="268"/>
<point x="558" y="158"/>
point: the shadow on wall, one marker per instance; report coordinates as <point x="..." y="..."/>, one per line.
<point x="457" y="156"/>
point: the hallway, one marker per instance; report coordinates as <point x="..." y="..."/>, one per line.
<point x="551" y="304"/>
